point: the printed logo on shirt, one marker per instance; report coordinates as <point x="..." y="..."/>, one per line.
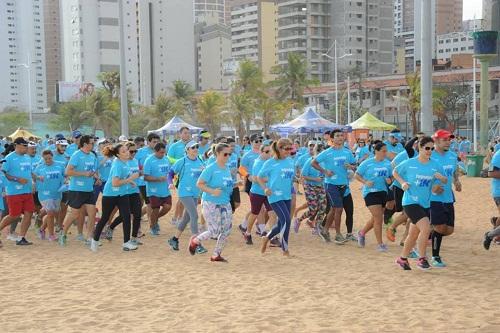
<point x="339" y="161"/>
<point x="25" y="166"/>
<point x="423" y="181"/>
<point x="448" y="170"/>
<point x="287" y="173"/>
<point x="163" y="168"/>
<point x="381" y="172"/>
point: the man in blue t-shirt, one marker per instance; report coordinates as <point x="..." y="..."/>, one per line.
<point x="142" y="154"/>
<point x="394" y="145"/>
<point x="17" y="170"/>
<point x="494" y="173"/>
<point x="72" y="148"/>
<point x="204" y="142"/>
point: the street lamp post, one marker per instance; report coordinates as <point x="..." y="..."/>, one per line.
<point x="27" y="66"/>
<point x="123" y="76"/>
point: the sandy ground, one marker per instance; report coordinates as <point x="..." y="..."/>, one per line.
<point x="326" y="288"/>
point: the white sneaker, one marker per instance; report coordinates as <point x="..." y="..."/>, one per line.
<point x="129" y="246"/>
<point x="94" y="245"/>
<point x="14" y="237"/>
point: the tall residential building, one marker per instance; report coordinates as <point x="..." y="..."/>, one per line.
<point x="22" y="59"/>
<point x="449" y="16"/>
<point x="213" y="48"/>
<point x="454" y="43"/>
<point x="491" y="17"/>
<point x="254" y="29"/>
<point x="53" y="50"/>
<point x="204" y="7"/>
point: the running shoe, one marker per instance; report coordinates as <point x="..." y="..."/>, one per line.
<point x="275" y="242"/>
<point x="414" y="254"/>
<point x="248" y="239"/>
<point x="200" y="249"/>
<point x="296" y="225"/>
<point x="325" y="236"/>
<point x="157" y="226"/>
<point x="52" y="238"/>
<point x="242" y="229"/>
<point x="339" y="239"/>
<point x="361" y="240"/>
<point x="94" y="245"/>
<point x="13" y="237"/>
<point x="154" y="232"/>
<point x="108" y="233"/>
<point x="351" y="237"/>
<point x="58" y="229"/>
<point x="136" y="241"/>
<point x="382" y="248"/>
<point x="423" y="264"/>
<point x="437" y="262"/>
<point x="80" y="238"/>
<point x="390" y="233"/>
<point x="403" y="263"/>
<point x="129" y="246"/>
<point x="261" y="233"/>
<point x="318" y="228"/>
<point x="63" y="239"/>
<point x="41" y="234"/>
<point x="315" y="232"/>
<point x="192" y="245"/>
<point x="487" y="241"/>
<point x="23" y="242"/>
<point x="174" y="244"/>
<point x="217" y="259"/>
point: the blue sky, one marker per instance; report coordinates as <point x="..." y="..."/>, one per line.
<point x="472" y="7"/>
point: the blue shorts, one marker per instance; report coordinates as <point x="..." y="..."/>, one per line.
<point x="335" y="194"/>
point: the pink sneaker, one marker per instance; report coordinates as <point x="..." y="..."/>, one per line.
<point x="52" y="238"/>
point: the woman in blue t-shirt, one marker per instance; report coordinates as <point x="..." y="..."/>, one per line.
<point x="375" y="174"/>
<point x="419" y="178"/>
<point x="276" y="178"/>
<point x="216" y="183"/>
<point x="116" y="194"/>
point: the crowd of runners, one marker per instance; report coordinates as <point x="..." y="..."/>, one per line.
<point x="407" y="185"/>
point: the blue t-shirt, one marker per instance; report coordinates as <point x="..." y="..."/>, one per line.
<point x="464" y="147"/>
<point x="61" y="159"/>
<point x="449" y="162"/>
<point x="188" y="171"/>
<point x="72" y="148"/>
<point x="248" y="160"/>
<point x="309" y="171"/>
<point x="421" y="179"/>
<point x="497" y="147"/>
<point x="362" y="152"/>
<point x="400" y="158"/>
<point x="3" y="184"/>
<point x="157" y="167"/>
<point x="18" y="166"/>
<point x="133" y="166"/>
<point x="120" y="170"/>
<point x="141" y="156"/>
<point x="82" y="162"/>
<point x="35" y="161"/>
<point x="299" y="163"/>
<point x="376" y="172"/>
<point x="104" y="167"/>
<point x="232" y="164"/>
<point x="176" y="151"/>
<point x="454" y="146"/>
<point x="394" y="149"/>
<point x="217" y="177"/>
<point x="203" y="149"/>
<point x="279" y="174"/>
<point x="335" y="160"/>
<point x="495" y="182"/>
<point x="53" y="179"/>
<point x="256" y="188"/>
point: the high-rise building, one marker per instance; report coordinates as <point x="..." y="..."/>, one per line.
<point x="22" y="60"/>
<point x="254" y="29"/>
<point x="53" y="52"/>
<point x="491" y="17"/>
<point x="454" y="43"/>
<point x="204" y="7"/>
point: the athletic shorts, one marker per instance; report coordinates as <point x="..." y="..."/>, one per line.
<point x="256" y="202"/>
<point x="248" y="185"/>
<point x="97" y="190"/>
<point x="235" y="198"/>
<point x="389" y="194"/>
<point x="20" y="203"/>
<point x="144" y="197"/>
<point x="497" y="201"/>
<point x="442" y="213"/>
<point x="64" y="199"/>
<point x="157" y="202"/>
<point x="416" y="212"/>
<point x="398" y="198"/>
<point x="36" y="200"/>
<point x="335" y="194"/>
<point x="376" y="198"/>
<point x="76" y="199"/>
<point x="51" y="205"/>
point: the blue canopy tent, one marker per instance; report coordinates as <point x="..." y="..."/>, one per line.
<point x="173" y="127"/>
<point x="308" y="122"/>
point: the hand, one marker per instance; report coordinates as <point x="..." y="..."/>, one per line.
<point x="405" y="186"/>
<point x="440" y="177"/>
<point x="162" y="178"/>
<point x="133" y="184"/>
<point x="328" y="173"/>
<point x="89" y="173"/>
<point x="318" y="179"/>
<point x="437" y="189"/>
<point x="22" y="181"/>
<point x="369" y="183"/>
<point x="216" y="192"/>
<point x="134" y="176"/>
<point x="98" y="182"/>
<point x="268" y="192"/>
<point x="458" y="186"/>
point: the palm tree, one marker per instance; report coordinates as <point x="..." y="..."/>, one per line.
<point x="271" y="111"/>
<point x="103" y="111"/>
<point x="242" y="107"/>
<point x="111" y="82"/>
<point x="292" y="79"/>
<point x="248" y="78"/>
<point x="209" y="110"/>
<point x="161" y="112"/>
<point x="182" y="90"/>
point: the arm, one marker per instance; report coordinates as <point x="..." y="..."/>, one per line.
<point x="494" y="174"/>
<point x="403" y="183"/>
<point x="362" y="180"/>
<point x="318" y="167"/>
<point x="263" y="183"/>
<point x="152" y="179"/>
<point x="202" y="185"/>
<point x="71" y="172"/>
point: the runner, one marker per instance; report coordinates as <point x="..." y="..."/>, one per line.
<point x="216" y="183"/>
<point x="204" y="141"/>
<point x="72" y="148"/>
<point x="375" y="174"/>
<point x="299" y="164"/>
<point x="494" y="173"/>
<point x="233" y="167"/>
<point x="419" y="177"/>
<point x="141" y="156"/>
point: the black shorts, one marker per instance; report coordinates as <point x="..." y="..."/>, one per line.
<point x="235" y="198"/>
<point x="398" y="198"/>
<point x="442" y="213"/>
<point x="76" y="199"/>
<point x="416" y="212"/>
<point x="248" y="185"/>
<point x="144" y="197"/>
<point x="64" y="199"/>
<point x="390" y="194"/>
<point x="376" y="198"/>
<point x="36" y="200"/>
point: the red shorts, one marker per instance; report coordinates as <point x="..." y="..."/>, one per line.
<point x="157" y="202"/>
<point x="20" y="203"/>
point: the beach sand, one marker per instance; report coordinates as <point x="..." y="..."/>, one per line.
<point x="326" y="288"/>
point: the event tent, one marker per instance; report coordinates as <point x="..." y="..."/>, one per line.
<point x="308" y="122"/>
<point x="22" y="133"/>
<point x="173" y="127"/>
<point x="369" y="121"/>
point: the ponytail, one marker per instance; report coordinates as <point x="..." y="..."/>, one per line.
<point x="112" y="151"/>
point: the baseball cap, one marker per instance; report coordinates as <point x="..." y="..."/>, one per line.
<point x="20" y="141"/>
<point x="396" y="135"/>
<point x="59" y="136"/>
<point x="255" y="137"/>
<point x="76" y="134"/>
<point x="62" y="142"/>
<point x="122" y="138"/>
<point x="191" y="144"/>
<point x="311" y="142"/>
<point x="443" y="134"/>
<point x="205" y="134"/>
<point x="31" y="144"/>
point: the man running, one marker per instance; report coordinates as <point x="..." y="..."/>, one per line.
<point x="494" y="173"/>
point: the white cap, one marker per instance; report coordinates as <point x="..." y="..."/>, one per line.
<point x="62" y="142"/>
<point x="31" y="144"/>
<point x="122" y="138"/>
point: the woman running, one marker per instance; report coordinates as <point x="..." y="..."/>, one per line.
<point x="375" y="174"/>
<point x="419" y="177"/>
<point x="116" y="194"/>
<point x="188" y="169"/>
<point x="315" y="192"/>
<point x="276" y="178"/>
<point x="361" y="152"/>
<point x="216" y="183"/>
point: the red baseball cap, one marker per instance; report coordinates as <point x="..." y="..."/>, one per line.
<point x="443" y="134"/>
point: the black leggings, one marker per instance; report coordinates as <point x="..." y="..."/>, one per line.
<point x="349" y="212"/>
<point x="108" y="204"/>
<point x="136" y="210"/>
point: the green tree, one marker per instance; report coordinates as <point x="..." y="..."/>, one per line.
<point x="456" y="97"/>
<point x="271" y="111"/>
<point x="103" y="112"/>
<point x="209" y="110"/>
<point x="161" y="112"/>
<point x="242" y="112"/>
<point x="182" y="90"/>
<point x="11" y="119"/>
<point x="111" y="82"/>
<point x="248" y="79"/>
<point x="68" y="115"/>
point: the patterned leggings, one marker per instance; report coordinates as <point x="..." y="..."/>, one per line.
<point x="316" y="202"/>
<point x="219" y="221"/>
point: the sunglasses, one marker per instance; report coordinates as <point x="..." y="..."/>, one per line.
<point x="257" y="141"/>
<point x="194" y="147"/>
<point x="226" y="154"/>
<point x="361" y="142"/>
<point x="429" y="148"/>
<point x="287" y="148"/>
<point x="133" y="151"/>
<point x="266" y="151"/>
